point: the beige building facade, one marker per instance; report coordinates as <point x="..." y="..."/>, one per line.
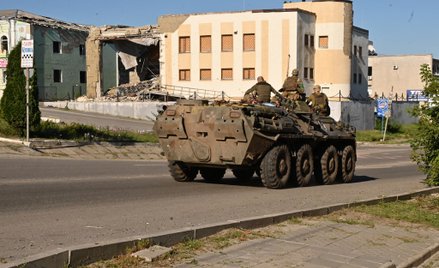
<point x="228" y="51"/>
<point x="397" y="77"/>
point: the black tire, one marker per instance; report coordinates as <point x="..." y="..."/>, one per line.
<point x="329" y="164"/>
<point x="212" y="174"/>
<point x="182" y="172"/>
<point x="304" y="165"/>
<point x="276" y="167"/>
<point x="243" y="174"/>
<point x="347" y="164"/>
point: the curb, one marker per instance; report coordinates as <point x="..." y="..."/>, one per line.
<point x="89" y="253"/>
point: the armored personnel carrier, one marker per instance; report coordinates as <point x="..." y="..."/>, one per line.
<point x="282" y="145"/>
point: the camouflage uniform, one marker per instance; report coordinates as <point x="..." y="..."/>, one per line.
<point x="293" y="87"/>
<point x="262" y="90"/>
<point x="319" y="102"/>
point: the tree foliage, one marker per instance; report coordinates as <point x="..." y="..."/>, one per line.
<point x="426" y="145"/>
<point x="13" y="102"/>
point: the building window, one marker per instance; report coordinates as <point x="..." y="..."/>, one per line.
<point x="57" y="76"/>
<point x="369" y="71"/>
<point x="311" y="40"/>
<point x="355" y="78"/>
<point x="205" y="74"/>
<point x="82" y="50"/>
<point x="360" y="78"/>
<point x="184" y="44"/>
<point x="57" y="47"/>
<point x="4" y="44"/>
<point x="205" y="44"/>
<point x="227" y="43"/>
<point x="323" y="41"/>
<point x="305" y="73"/>
<point x="306" y="40"/>
<point x="355" y="51"/>
<point x="184" y="75"/>
<point x="82" y="77"/>
<point x="227" y="74"/>
<point x="249" y="42"/>
<point x="360" y="53"/>
<point x="248" y="74"/>
<point x="311" y="73"/>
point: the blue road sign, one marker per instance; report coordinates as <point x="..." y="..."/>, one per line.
<point x="382" y="107"/>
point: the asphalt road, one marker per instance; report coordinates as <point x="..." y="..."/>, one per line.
<point x="97" y="120"/>
<point x="48" y="203"/>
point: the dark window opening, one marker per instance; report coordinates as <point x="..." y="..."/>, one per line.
<point x="369" y="71"/>
<point x="82" y="77"/>
<point x="56" y="47"/>
<point x="57" y="76"/>
<point x="82" y="50"/>
<point x="4" y="44"/>
<point x="311" y="73"/>
<point x="306" y="40"/>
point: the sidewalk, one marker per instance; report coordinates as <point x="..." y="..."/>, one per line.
<point x="318" y="243"/>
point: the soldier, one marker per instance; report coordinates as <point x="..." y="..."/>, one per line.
<point x="293" y="87"/>
<point x="260" y="91"/>
<point x="318" y="101"/>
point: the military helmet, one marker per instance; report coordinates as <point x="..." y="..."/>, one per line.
<point x="295" y="72"/>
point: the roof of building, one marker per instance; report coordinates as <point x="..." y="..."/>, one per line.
<point x="39" y="20"/>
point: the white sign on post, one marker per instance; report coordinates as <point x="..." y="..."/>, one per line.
<point x="27" y="54"/>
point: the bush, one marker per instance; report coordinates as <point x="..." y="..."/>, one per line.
<point x="426" y="145"/>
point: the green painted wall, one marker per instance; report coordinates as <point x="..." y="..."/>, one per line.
<point x="109" y="69"/>
<point x="69" y="61"/>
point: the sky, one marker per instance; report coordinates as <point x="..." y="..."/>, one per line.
<point x="395" y="26"/>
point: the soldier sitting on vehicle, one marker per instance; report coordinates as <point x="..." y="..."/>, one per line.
<point x="293" y="87"/>
<point x="318" y="101"/>
<point x="260" y="92"/>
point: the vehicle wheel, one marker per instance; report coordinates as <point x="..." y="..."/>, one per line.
<point x="329" y="164"/>
<point x="243" y="174"/>
<point x="304" y="165"/>
<point x="182" y="172"/>
<point x="276" y="167"/>
<point x="212" y="174"/>
<point x="347" y="164"/>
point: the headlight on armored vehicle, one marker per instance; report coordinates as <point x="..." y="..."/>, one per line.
<point x="235" y="114"/>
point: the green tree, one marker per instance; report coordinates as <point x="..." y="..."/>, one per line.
<point x="426" y="146"/>
<point x="13" y="102"/>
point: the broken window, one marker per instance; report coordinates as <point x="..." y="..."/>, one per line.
<point x="323" y="41"/>
<point x="227" y="43"/>
<point x="57" y="76"/>
<point x="82" y="50"/>
<point x="248" y="74"/>
<point x="249" y="42"/>
<point x="184" y="75"/>
<point x="82" y="77"/>
<point x="57" y="47"/>
<point x="205" y="74"/>
<point x="227" y="74"/>
<point x="184" y="44"/>
<point x="205" y="44"/>
<point x="4" y="44"/>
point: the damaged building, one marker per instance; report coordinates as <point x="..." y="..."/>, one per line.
<point x="59" y="52"/>
<point x="121" y="57"/>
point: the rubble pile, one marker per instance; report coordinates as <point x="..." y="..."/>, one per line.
<point x="132" y="92"/>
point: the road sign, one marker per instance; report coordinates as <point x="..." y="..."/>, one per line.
<point x="27" y="54"/>
<point x="416" y="95"/>
<point x="382" y="107"/>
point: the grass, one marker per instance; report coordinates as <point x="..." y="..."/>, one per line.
<point x="402" y="134"/>
<point x="79" y="132"/>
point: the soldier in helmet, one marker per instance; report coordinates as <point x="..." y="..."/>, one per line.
<point x="260" y="92"/>
<point x="318" y="101"/>
<point x="293" y="87"/>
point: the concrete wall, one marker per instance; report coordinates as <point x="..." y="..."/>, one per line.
<point x="358" y="114"/>
<point x="401" y="112"/>
<point x="136" y="110"/>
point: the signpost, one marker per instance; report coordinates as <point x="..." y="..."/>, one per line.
<point x="27" y="61"/>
